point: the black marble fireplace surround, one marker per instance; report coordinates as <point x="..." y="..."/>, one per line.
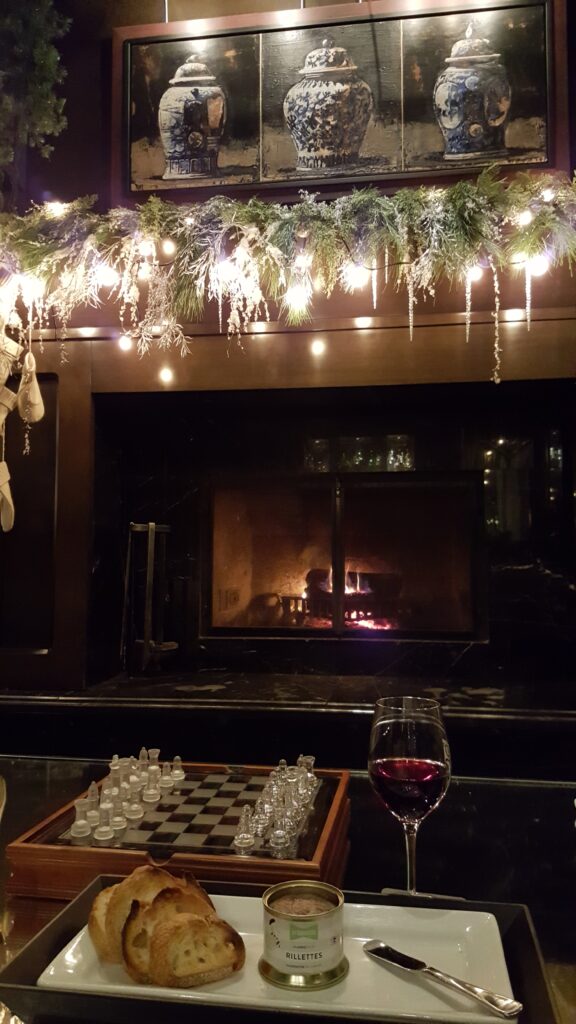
<point x="159" y="457"/>
<point x="508" y="695"/>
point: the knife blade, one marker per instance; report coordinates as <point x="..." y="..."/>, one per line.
<point x="503" y="1006"/>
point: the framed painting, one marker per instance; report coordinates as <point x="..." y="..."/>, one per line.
<point x="334" y="94"/>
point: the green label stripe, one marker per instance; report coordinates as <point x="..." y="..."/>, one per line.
<point x="300" y="930"/>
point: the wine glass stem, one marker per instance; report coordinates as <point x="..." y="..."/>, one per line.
<point x="410" y="832"/>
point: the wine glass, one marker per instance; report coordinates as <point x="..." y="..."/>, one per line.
<point x="409" y="764"/>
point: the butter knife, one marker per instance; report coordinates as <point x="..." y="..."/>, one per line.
<point x="503" y="1006"/>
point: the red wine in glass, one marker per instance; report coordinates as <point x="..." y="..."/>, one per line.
<point x="409" y="787"/>
<point x="409" y="764"/>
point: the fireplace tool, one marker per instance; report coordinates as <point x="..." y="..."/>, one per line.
<point x="146" y="604"/>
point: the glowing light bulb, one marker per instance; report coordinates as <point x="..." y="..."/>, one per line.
<point x="518" y="259"/>
<point x="538" y="265"/>
<point x="526" y="217"/>
<point x="166" y="375"/>
<point x="318" y="283"/>
<point x="474" y="273"/>
<point x="363" y="321"/>
<point x="146" y="248"/>
<point x="354" y="276"/>
<point x="106" y="276"/>
<point x="188" y="220"/>
<point x="297" y="297"/>
<point x="168" y="246"/>
<point x="125" y="342"/>
<point x="548" y="195"/>
<point x="55" y="208"/>
<point x="144" y="272"/>
<point x="302" y="262"/>
<point x="318" y="347"/>
<point x="227" y="271"/>
<point x="31" y="288"/>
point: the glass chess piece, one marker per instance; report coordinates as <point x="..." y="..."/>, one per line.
<point x="118" y="822"/>
<point x="80" y="830"/>
<point x="166" y="781"/>
<point x="103" y="833"/>
<point x="244" y="840"/>
<point x="93" y="801"/>
<point x="178" y="773"/>
<point x="134" y="811"/>
<point x="279" y="840"/>
<point x="151" y="794"/>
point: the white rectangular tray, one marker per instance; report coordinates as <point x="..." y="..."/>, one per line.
<point x="464" y="943"/>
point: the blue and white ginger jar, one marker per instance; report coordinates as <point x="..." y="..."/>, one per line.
<point x="191" y="117"/>
<point x="327" y="112"/>
<point x="472" y="100"/>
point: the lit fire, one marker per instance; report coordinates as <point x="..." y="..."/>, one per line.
<point x="354" y="618"/>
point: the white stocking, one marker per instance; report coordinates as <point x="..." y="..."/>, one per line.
<point x="6" y="503"/>
<point x="30" y="403"/>
<point x="7" y="402"/>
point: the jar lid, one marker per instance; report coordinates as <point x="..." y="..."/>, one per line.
<point x="328" y="58"/>
<point x="471" y="49"/>
<point x="193" y="70"/>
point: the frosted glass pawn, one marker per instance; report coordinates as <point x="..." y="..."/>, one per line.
<point x="143" y="758"/>
<point x="279" y="840"/>
<point x="166" y="780"/>
<point x="151" y="794"/>
<point x="134" y="811"/>
<point x="178" y="773"/>
<point x="106" y="794"/>
<point x="93" y="796"/>
<point x="244" y="839"/>
<point x="93" y="801"/>
<point x="103" y="833"/>
<point x="80" y="827"/>
<point x="118" y="821"/>
<point x="154" y="755"/>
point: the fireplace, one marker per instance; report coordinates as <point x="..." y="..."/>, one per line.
<point x="356" y="555"/>
<point x="343" y="531"/>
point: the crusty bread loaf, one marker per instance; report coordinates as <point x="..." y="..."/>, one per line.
<point x="145" y="917"/>
<point x="190" y="950"/>
<point x="143" y="885"/>
<point x="97" y="924"/>
<point x="164" y="930"/>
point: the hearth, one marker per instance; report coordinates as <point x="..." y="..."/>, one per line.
<point x="347" y="555"/>
<point x="342" y="532"/>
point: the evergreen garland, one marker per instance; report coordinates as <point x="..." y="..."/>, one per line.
<point x="160" y="262"/>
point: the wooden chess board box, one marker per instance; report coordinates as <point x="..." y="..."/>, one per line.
<point x="192" y="830"/>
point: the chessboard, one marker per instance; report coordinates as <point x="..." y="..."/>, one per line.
<point x="191" y="828"/>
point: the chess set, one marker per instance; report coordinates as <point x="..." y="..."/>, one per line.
<point x="221" y="822"/>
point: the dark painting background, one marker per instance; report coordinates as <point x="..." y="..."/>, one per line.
<point x="519" y="35"/>
<point x="234" y="61"/>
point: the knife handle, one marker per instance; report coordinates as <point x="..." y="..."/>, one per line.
<point x="501" y="1005"/>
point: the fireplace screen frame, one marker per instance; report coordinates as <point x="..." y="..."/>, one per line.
<point x="337" y="484"/>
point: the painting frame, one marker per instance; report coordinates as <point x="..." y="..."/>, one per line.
<point x="223" y="37"/>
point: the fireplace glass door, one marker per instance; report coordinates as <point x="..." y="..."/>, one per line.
<point x="392" y="555"/>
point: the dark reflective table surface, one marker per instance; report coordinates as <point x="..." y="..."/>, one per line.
<point x="495" y="840"/>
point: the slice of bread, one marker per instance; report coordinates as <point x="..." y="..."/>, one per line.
<point x="97" y="924"/>
<point x="144" y="918"/>
<point x="143" y="885"/>
<point x="190" y="950"/>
